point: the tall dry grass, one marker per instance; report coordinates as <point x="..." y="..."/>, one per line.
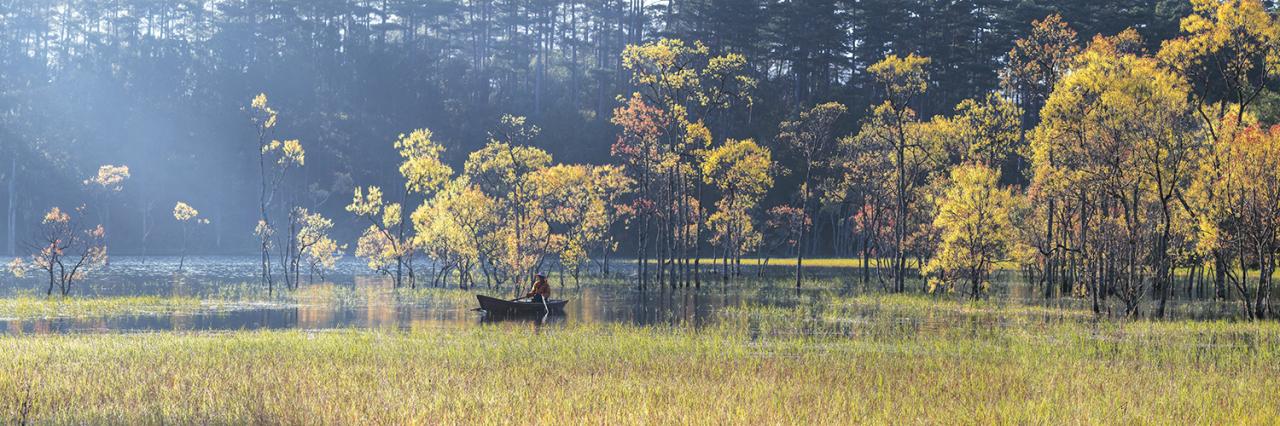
<point x="732" y="373"/>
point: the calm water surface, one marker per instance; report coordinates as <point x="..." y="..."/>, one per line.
<point x="211" y="277"/>
<point x="379" y="307"/>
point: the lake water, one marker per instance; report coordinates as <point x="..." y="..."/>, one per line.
<point x="377" y="305"/>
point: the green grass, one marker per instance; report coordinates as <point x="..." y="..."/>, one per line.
<point x="827" y="355"/>
<point x="827" y="309"/>
<point x="36" y="307"/>
<point x="28" y="307"/>
<point x="948" y="365"/>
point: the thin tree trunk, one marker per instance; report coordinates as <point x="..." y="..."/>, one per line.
<point x="899" y="223"/>
<point x="1048" y="254"/>
<point x="11" y="221"/>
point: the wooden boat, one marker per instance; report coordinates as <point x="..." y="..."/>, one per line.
<point x="506" y="307"/>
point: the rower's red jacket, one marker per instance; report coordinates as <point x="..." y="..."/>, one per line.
<point x="540" y="287"/>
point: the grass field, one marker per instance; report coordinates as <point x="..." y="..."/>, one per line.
<point x="956" y="362"/>
<point x="32" y="307"/>
<point x="27" y="307"/>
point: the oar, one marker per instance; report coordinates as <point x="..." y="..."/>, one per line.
<point x="518" y="298"/>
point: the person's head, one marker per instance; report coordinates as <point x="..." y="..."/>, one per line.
<point x="539" y="276"/>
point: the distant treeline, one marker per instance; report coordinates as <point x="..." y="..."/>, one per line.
<point x="159" y="85"/>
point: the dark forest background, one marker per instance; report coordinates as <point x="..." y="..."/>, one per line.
<point x="159" y="85"/>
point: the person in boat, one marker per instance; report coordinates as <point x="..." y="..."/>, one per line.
<point x="540" y="291"/>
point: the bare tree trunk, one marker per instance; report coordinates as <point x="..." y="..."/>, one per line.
<point x="1048" y="254"/>
<point x="183" y="259"/>
<point x="106" y="227"/>
<point x="899" y="223"/>
<point x="11" y="221"/>
<point x="605" y="261"/>
<point x="266" y="223"/>
<point x="642" y="259"/>
<point x="1163" y="267"/>
<point x="697" y="240"/>
<point x="1266" y="262"/>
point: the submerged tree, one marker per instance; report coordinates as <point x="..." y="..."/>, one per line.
<point x="504" y="171"/>
<point x="610" y="185"/>
<point x="1116" y="143"/>
<point x="312" y="245"/>
<point x="640" y="148"/>
<point x="811" y="136"/>
<point x="682" y="89"/>
<point x="458" y="228"/>
<point x="741" y="171"/>
<point x="188" y="217"/>
<point x="1035" y="65"/>
<point x="387" y="244"/>
<point x="863" y="179"/>
<point x="381" y="245"/>
<point x="1230" y="53"/>
<point x="275" y="158"/>
<point x="575" y="209"/>
<point x="901" y="80"/>
<point x="782" y="227"/>
<point x="1244" y="222"/>
<point x="108" y="182"/>
<point x="65" y="250"/>
<point x="973" y="219"/>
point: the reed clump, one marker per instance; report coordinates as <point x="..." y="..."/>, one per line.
<point x="38" y="307"/>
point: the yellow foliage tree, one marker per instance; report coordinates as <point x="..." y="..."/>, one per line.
<point x="387" y="244"/>
<point x="108" y="182"/>
<point x="1230" y="50"/>
<point x="1116" y="140"/>
<point x="188" y="217"/>
<point x="984" y="131"/>
<point x="275" y="158"/>
<point x="892" y="124"/>
<point x="741" y="170"/>
<point x="1036" y="62"/>
<point x="1245" y="222"/>
<point x="65" y="250"/>
<point x="973" y="220"/>
<point x="680" y="86"/>
<point x="503" y="170"/>
<point x="312" y="245"/>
